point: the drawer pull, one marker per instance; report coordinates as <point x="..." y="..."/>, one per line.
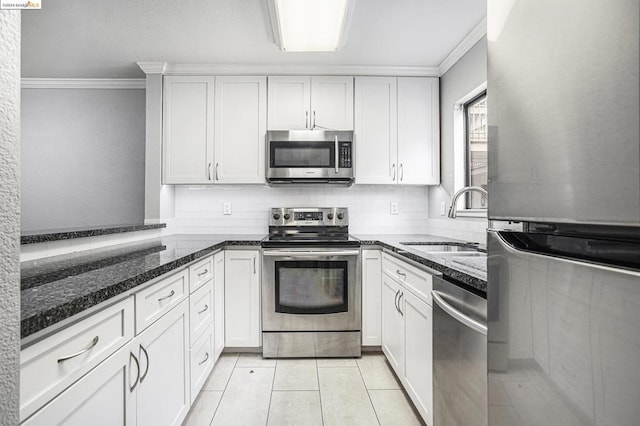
<point x="204" y="309"/>
<point x="399" y="272"/>
<point x="166" y="297"/>
<point x="93" y="343"/>
<point x="146" y="370"/>
<point x="206" y="357"/>
<point x="205" y="272"/>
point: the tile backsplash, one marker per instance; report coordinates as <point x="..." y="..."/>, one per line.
<point x="199" y="209"/>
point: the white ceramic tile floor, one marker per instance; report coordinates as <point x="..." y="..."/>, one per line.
<point x="248" y="390"/>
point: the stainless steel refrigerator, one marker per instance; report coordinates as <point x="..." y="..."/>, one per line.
<point x="564" y="207"/>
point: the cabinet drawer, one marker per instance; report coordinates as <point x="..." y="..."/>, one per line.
<point x="200" y="272"/>
<point x="420" y="282"/>
<point x="51" y="365"/>
<point x="200" y="310"/>
<point x="160" y="298"/>
<point x="201" y="362"/>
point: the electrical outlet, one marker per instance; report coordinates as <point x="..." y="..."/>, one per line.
<point x="227" y="208"/>
<point x="394" y="208"/>
<point x="443" y="208"/>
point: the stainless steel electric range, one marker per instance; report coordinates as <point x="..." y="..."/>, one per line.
<point x="311" y="285"/>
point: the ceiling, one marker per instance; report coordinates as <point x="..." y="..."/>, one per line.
<point x="105" y="39"/>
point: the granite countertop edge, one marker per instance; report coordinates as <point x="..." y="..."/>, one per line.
<point x="76" y="305"/>
<point x="82" y="233"/>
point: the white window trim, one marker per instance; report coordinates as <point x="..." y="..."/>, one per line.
<point x="459" y="167"/>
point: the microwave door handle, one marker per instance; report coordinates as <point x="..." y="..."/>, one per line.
<point x="337" y="153"/>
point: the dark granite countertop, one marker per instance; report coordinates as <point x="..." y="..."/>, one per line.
<point x="468" y="270"/>
<point x="56" y="288"/>
<point x="70" y="233"/>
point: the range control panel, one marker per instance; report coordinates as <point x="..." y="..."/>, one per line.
<point x="307" y="216"/>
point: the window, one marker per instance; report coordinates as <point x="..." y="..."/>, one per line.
<point x="475" y="117"/>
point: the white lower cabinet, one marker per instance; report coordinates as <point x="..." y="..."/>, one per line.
<point x="101" y="397"/>
<point x="202" y="361"/>
<point x="371" y="301"/>
<point x="218" y="303"/>
<point x="407" y="323"/>
<point x="242" y="298"/>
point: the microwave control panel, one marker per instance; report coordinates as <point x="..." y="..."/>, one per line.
<point x="344" y="156"/>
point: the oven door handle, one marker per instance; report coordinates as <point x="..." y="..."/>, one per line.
<point x="312" y="253"/>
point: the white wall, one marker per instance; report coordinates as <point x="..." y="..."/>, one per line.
<point x="82" y="157"/>
<point x="200" y="208"/>
<point x="9" y="216"/>
<point x="467" y="74"/>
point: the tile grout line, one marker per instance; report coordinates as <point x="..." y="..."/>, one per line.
<point x="273" y="379"/>
<point x="224" y="390"/>
<point x="319" y="392"/>
<point x="368" y="394"/>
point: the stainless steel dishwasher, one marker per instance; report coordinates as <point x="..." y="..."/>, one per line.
<point x="459" y="356"/>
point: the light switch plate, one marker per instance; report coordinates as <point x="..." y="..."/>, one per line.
<point x="394" y="208"/>
<point x="227" y="208"/>
<point x="443" y="208"/>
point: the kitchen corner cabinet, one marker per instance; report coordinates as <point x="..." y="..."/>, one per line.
<point x="407" y="323"/>
<point x="397" y="127"/>
<point x="242" y="298"/>
<point x="240" y="129"/>
<point x="188" y="138"/>
<point x="305" y="103"/>
<point x="371" y="297"/>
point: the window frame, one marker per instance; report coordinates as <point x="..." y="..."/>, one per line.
<point x="467" y="147"/>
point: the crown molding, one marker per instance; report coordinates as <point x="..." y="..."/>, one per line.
<point x="83" y="83"/>
<point x="470" y="40"/>
<point x="152" y="67"/>
<point x="231" y="69"/>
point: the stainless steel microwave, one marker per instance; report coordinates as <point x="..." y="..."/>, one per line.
<point x="310" y="156"/>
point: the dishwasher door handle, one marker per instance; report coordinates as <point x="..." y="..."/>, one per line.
<point x="469" y="322"/>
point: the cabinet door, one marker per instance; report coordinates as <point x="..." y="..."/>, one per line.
<point x="103" y="396"/>
<point x="240" y="130"/>
<point x="418" y="375"/>
<point x="242" y="298"/>
<point x="376" y="129"/>
<point x="218" y="303"/>
<point x="187" y="150"/>
<point x="289" y="100"/>
<point x="332" y="103"/>
<point x="392" y="325"/>
<point x="163" y="350"/>
<point x="418" y="131"/>
<point x="371" y="297"/>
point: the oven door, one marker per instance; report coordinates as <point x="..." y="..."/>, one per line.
<point x="311" y="290"/>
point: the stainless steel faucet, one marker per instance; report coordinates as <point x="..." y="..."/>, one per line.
<point x="454" y="200"/>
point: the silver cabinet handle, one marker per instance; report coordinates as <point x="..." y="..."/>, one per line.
<point x="205" y="272"/>
<point x="401" y="172"/>
<point x="396" y="300"/>
<point x="217" y="167"/>
<point x="206" y="357"/>
<point x="306" y="119"/>
<point x="337" y="153"/>
<point x="400" y="298"/>
<point x="394" y="172"/>
<point x="93" y="343"/>
<point x="314" y="120"/>
<point x="146" y="370"/>
<point x="209" y="172"/>
<point x="254" y="265"/>
<point x="399" y="272"/>
<point x="204" y="309"/>
<point x="456" y="314"/>
<point x="131" y="355"/>
<point x="166" y="297"/>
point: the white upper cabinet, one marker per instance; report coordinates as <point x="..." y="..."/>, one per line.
<point x="418" y="131"/>
<point x="240" y="129"/>
<point x="299" y="103"/>
<point x="376" y="129"/>
<point x="397" y="130"/>
<point x="187" y="149"/>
